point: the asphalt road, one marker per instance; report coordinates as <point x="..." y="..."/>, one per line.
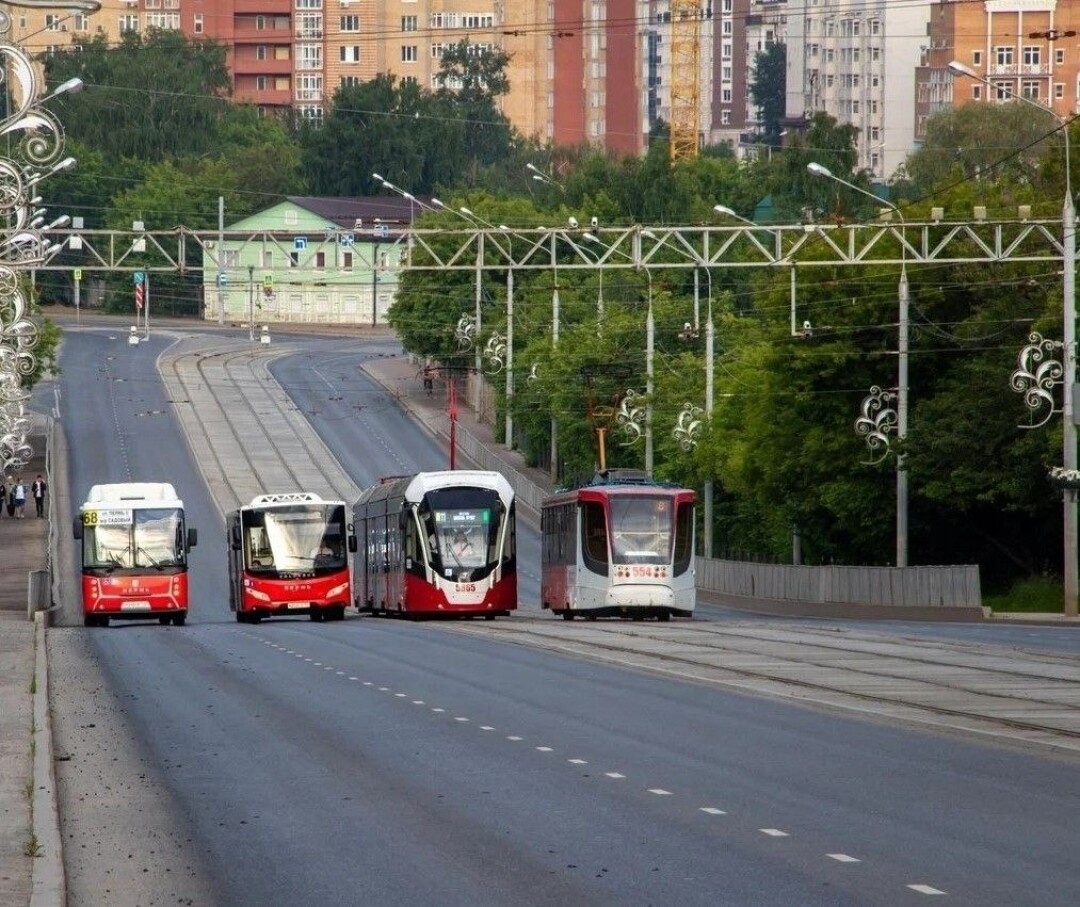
<point x="380" y="761"/>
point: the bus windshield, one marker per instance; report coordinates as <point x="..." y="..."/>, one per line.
<point x="640" y="530"/>
<point x="140" y="539"/>
<point x="292" y="539"/>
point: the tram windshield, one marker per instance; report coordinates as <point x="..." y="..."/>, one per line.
<point x="641" y="530"/>
<point x="294" y="539"/>
<point x="151" y="539"/>
<point x="462" y="527"/>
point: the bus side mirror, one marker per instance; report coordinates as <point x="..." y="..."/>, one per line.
<point x="192" y="538"/>
<point x="352" y="544"/>
<point x="234" y="538"/>
<point x="76" y="527"/>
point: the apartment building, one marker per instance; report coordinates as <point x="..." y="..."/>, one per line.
<point x="1022" y="48"/>
<point x="856" y="60"/>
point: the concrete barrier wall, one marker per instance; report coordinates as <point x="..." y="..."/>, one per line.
<point x="937" y="587"/>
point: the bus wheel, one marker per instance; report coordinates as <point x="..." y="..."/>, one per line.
<point x="179" y="619"/>
<point x="241" y="617"/>
<point x="567" y="614"/>
<point x="339" y="612"/>
<point x="664" y="616"/>
<point x="164" y="620"/>
<point x="90" y="620"/>
<point x="316" y="615"/>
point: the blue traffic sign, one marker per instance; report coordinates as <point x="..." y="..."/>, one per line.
<point x="139" y="278"/>
<point x="222" y="279"/>
<point x="300" y="242"/>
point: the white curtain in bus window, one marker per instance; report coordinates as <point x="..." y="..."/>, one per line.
<point x="464" y="537"/>
<point x="157" y="538"/>
<point x="641" y="530"/>
<point x="109" y="542"/>
<point x="294" y="538"/>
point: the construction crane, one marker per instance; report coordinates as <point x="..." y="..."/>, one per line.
<point x="685" y="77"/>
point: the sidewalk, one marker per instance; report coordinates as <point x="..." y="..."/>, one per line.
<point x="23" y="548"/>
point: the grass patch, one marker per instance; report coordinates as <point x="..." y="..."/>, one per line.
<point x="32" y="847"/>
<point x="1040" y="594"/>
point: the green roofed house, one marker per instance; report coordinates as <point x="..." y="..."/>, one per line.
<point x="309" y="260"/>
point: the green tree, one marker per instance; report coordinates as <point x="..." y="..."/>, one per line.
<point x="768" y="91"/>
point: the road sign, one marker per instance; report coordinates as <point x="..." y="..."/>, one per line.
<point x="222" y="279"/>
<point x="299" y="242"/>
<point x="268" y="281"/>
<point x="139" y="278"/>
<point x="77" y="274"/>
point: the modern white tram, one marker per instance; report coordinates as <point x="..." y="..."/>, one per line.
<point x="620" y="546"/>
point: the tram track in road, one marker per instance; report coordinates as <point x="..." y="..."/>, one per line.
<point x="1027" y="698"/>
<point x="244" y="429"/>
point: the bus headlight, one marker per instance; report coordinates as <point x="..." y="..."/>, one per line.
<point x="338" y="590"/>
<point x="257" y="595"/>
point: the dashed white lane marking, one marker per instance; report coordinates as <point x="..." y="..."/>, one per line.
<point x="919" y="888"/>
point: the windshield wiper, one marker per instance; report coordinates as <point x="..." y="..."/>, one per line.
<point x="147" y="555"/>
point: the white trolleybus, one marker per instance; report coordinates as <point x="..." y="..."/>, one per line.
<point x="437" y="543"/>
<point x="134" y="553"/>
<point x="289" y="554"/>
<point x="619" y="546"/>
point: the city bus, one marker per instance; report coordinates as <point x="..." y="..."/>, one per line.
<point x="437" y="544"/>
<point x="289" y="555"/>
<point x="621" y="545"/>
<point x="134" y="553"/>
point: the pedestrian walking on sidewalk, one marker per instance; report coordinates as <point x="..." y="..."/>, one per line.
<point x="37" y="489"/>
<point x="18" y="493"/>
<point x="9" y="496"/>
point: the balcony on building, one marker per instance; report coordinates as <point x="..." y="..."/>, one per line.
<point x="262" y="7"/>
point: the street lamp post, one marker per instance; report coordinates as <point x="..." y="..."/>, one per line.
<point x="1068" y="288"/>
<point x="902" y="369"/>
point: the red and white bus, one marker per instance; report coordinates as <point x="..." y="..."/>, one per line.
<point x="134" y="553"/>
<point x="620" y="546"/>
<point x="437" y="543"/>
<point x="289" y="554"/>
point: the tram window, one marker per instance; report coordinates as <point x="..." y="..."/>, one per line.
<point x="684" y="538"/>
<point x="594" y="530"/>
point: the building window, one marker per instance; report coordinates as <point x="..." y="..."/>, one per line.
<point x="1032" y="55"/>
<point x="82" y="22"/>
<point x="976" y="92"/>
<point x="1003" y="55"/>
<point x="1059" y="56"/>
<point x="346" y="261"/>
<point x="52" y="22"/>
<point x="350" y="23"/>
<point x="1029" y="89"/>
<point x="320" y="260"/>
<point x="1059" y="90"/>
<point x="350" y="53"/>
<point x="260" y="52"/>
<point x="197" y="27"/>
<point x="725" y="117"/>
<point x="261" y="83"/>
<point x="408" y="53"/>
<point x="128" y="23"/>
<point x="408" y="23"/>
<point x="976" y="58"/>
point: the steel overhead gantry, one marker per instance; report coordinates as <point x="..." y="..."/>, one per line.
<point x="470" y="249"/>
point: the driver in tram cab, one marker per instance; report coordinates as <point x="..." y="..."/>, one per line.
<point x="325" y="557"/>
<point x="461" y="544"/>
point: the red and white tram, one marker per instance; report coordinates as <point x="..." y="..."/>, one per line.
<point x="620" y="546"/>
<point x="437" y="543"/>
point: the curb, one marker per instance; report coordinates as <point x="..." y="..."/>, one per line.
<point x="47" y="869"/>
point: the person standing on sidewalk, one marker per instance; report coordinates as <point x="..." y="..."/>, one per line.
<point x="18" y="493"/>
<point x="37" y="489"/>
<point x="9" y="496"/>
